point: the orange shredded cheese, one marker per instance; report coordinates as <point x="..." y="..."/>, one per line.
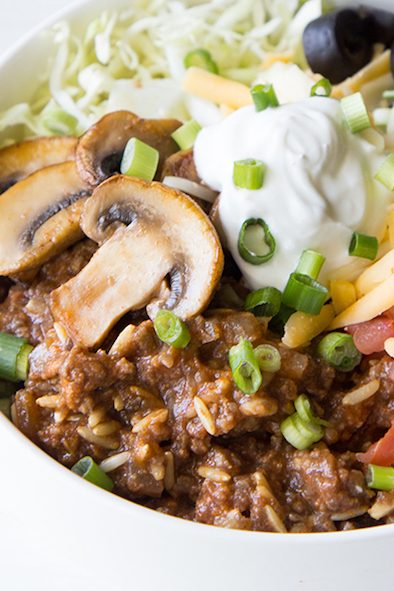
<point x="301" y="328"/>
<point x="372" y="304"/>
<point x="215" y="88"/>
<point x="343" y="294"/>
<point x="375" y="274"/>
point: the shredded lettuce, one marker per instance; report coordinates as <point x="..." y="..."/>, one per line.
<point x="133" y="59"/>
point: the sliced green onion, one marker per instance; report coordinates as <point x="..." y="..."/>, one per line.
<point x="310" y="263"/>
<point x="300" y="434"/>
<point x="364" y="246"/>
<point x="305" y="412"/>
<point x="321" y="88"/>
<point x="185" y="136"/>
<point x="171" y="330"/>
<point x="388" y="95"/>
<point x="304" y="294"/>
<point x="245" y="367"/>
<point x="89" y="470"/>
<point x="277" y="323"/>
<point x="264" y="96"/>
<point x="5" y="407"/>
<point x="200" y="58"/>
<point x="355" y="112"/>
<point x="385" y="174"/>
<point x="304" y="409"/>
<point x="338" y="349"/>
<point x="249" y="174"/>
<point x="139" y="160"/>
<point x="264" y="302"/>
<point x="380" y="477"/>
<point x="22" y="363"/>
<point x="250" y="246"/>
<point x="14" y="357"/>
<point x="268" y="357"/>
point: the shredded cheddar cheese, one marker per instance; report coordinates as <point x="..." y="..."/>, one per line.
<point x="378" y="67"/>
<point x="343" y="295"/>
<point x="375" y="274"/>
<point x="215" y="88"/>
<point x="372" y="304"/>
<point x="301" y="328"/>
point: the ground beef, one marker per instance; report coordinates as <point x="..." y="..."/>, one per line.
<point x="183" y="438"/>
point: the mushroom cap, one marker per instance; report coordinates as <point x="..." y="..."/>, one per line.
<point x="100" y="149"/>
<point x="150" y="234"/>
<point x="20" y="160"/>
<point x="39" y="217"/>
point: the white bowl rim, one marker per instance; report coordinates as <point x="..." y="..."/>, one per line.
<point x="368" y="533"/>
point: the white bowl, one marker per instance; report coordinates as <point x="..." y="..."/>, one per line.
<point x="60" y="533"/>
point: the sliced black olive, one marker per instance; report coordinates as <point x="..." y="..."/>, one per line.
<point x="379" y="25"/>
<point x="392" y="58"/>
<point x="336" y="45"/>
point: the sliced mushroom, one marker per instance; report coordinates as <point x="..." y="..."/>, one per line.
<point x="179" y="172"/>
<point x="149" y="233"/>
<point x="20" y="160"/>
<point x="39" y="217"/>
<point x="182" y="164"/>
<point x="100" y="149"/>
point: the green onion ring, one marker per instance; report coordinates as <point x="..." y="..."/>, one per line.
<point x="247" y="254"/>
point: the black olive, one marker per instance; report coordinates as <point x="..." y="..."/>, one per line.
<point x="336" y="45"/>
<point x="379" y="25"/>
<point x="392" y="58"/>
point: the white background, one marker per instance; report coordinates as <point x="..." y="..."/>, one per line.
<point x="19" y="16"/>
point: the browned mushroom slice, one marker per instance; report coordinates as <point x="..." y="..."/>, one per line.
<point x="100" y="149"/>
<point x="181" y="164"/>
<point x="179" y="172"/>
<point x="20" y="160"/>
<point x="150" y="233"/>
<point x="39" y="217"/>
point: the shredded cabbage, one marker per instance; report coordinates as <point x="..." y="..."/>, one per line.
<point x="133" y="59"/>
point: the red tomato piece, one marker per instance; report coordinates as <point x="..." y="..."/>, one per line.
<point x="369" y="337"/>
<point x="390" y="313"/>
<point x="380" y="453"/>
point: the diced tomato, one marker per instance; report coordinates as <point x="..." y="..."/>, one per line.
<point x="380" y="453"/>
<point x="390" y="313"/>
<point x="369" y="337"/>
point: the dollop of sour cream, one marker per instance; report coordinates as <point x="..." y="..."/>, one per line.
<point x="318" y="188"/>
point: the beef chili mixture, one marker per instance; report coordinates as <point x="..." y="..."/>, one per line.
<point x="133" y="351"/>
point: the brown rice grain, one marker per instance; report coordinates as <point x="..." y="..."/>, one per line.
<point x="259" y="407"/>
<point x="88" y="435"/>
<point x="362" y="393"/>
<point x="107" y="428"/>
<point x="96" y="417"/>
<point x="214" y="474"/>
<point x="274" y="520"/>
<point x="204" y="415"/>
<point x="114" y="462"/>
<point x="118" y="403"/>
<point x="153" y="418"/>
<point x="49" y="401"/>
<point x="381" y="509"/>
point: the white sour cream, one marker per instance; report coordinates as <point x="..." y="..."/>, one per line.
<point x="318" y="187"/>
